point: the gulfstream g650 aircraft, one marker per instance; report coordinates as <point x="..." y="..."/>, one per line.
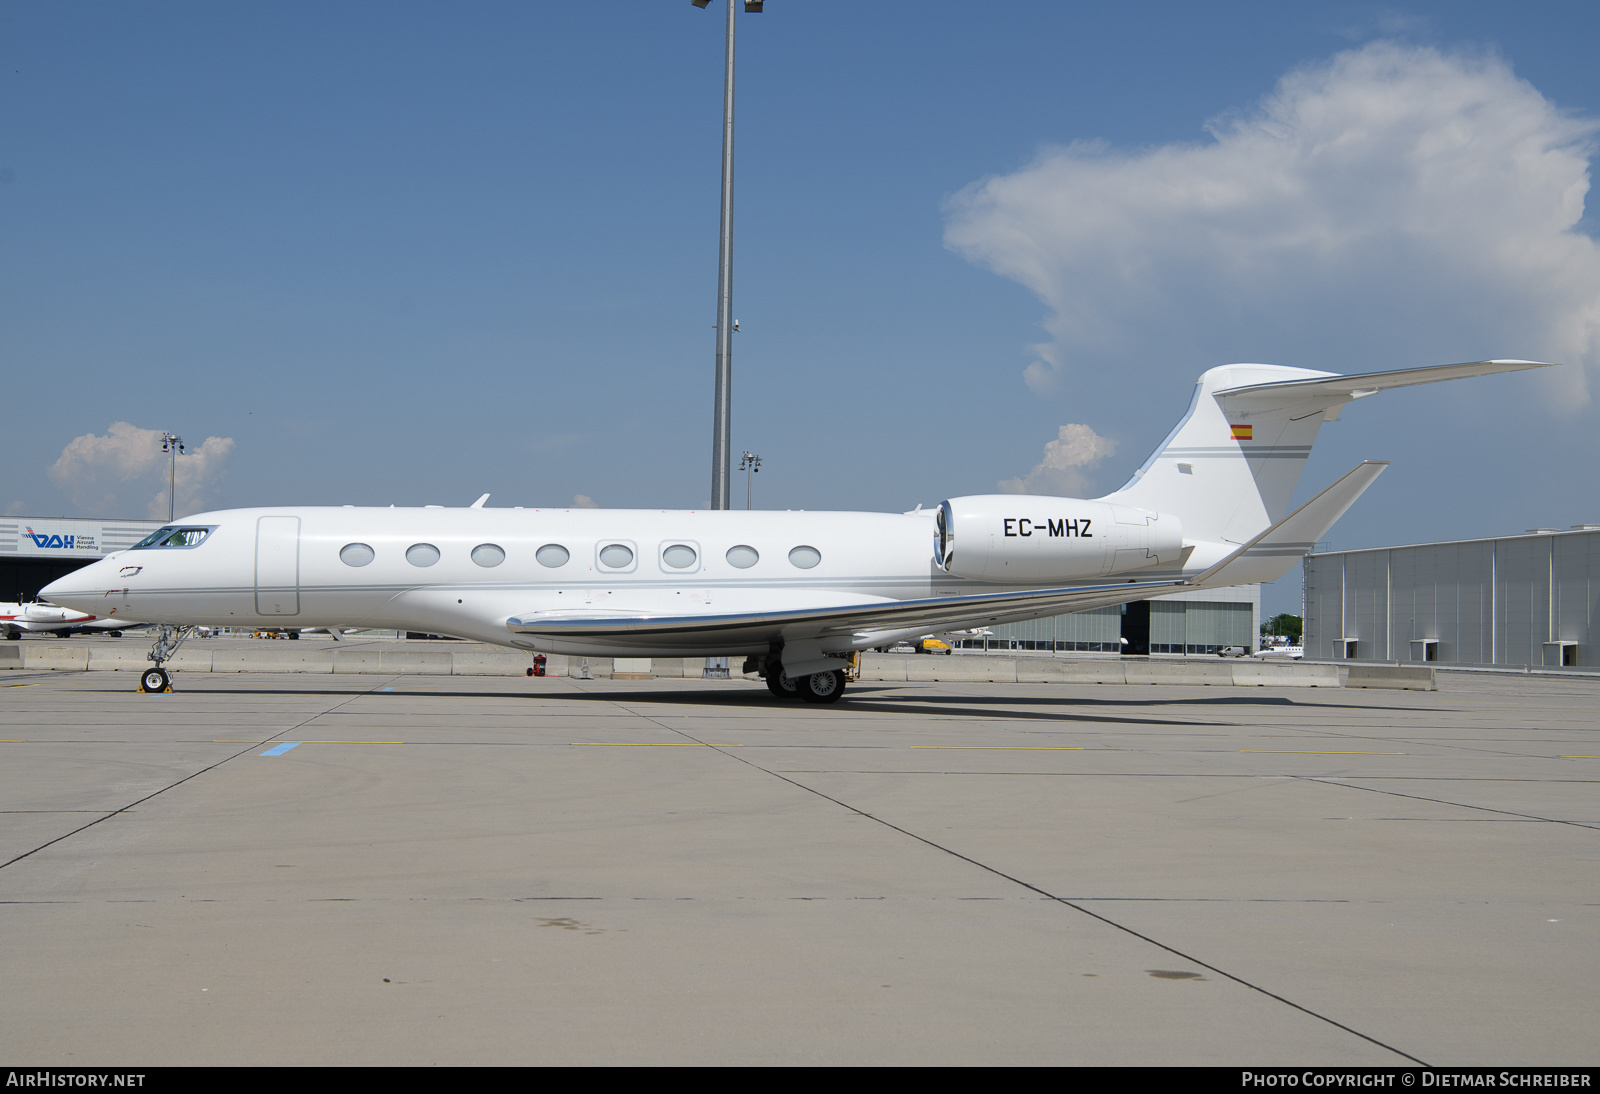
<point x="794" y="591"/>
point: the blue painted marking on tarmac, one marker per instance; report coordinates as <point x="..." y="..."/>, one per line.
<point x="279" y="750"/>
<point x="386" y="689"/>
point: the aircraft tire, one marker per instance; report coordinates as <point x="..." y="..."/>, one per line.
<point x="779" y="684"/>
<point x="823" y="687"/>
<point x="153" y="681"/>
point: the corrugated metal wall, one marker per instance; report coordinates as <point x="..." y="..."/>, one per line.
<point x="1176" y="626"/>
<point x="1100" y="629"/>
<point x="1507" y="601"/>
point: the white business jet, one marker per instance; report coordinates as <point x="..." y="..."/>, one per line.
<point x="793" y="592"/>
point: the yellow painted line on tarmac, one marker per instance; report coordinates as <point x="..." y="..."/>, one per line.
<point x="650" y="744"/>
<point x="1313" y="752"/>
<point x="1581" y="757"/>
<point x="1007" y="748"/>
<point x="59" y="680"/>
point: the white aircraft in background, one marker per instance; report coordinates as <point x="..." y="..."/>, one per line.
<point x="795" y="592"/>
<point x="1292" y="651"/>
<point x="48" y="618"/>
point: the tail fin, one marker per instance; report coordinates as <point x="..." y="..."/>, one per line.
<point x="1230" y="466"/>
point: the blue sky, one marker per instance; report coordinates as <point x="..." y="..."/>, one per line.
<point x="404" y="253"/>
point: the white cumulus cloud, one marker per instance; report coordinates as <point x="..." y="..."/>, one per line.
<point x="101" y="471"/>
<point x="1061" y="472"/>
<point x="1392" y="206"/>
<point x="583" y="501"/>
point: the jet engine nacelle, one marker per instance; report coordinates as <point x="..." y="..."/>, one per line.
<point x="1018" y="538"/>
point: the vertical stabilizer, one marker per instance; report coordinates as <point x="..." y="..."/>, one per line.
<point x="1231" y="465"/>
<point x="1229" y="468"/>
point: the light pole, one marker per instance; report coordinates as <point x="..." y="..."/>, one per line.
<point x="171" y="442"/>
<point x="750" y="463"/>
<point x="721" y="426"/>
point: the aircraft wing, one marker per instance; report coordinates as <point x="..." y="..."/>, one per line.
<point x="1360" y="386"/>
<point x="876" y="617"/>
<point x="1264" y="558"/>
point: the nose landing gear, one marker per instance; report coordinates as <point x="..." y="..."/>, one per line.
<point x="155" y="680"/>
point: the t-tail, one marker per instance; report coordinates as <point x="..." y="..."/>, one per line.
<point x="1229" y="468"/>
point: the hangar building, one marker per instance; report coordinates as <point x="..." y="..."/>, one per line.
<point x="34" y="551"/>
<point x="1527" y="600"/>
<point x="1200" y="622"/>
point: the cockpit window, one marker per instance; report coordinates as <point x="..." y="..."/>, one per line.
<point x="173" y="536"/>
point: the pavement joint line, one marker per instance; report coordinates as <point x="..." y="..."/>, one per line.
<point x="155" y="793"/>
<point x="1315" y="752"/>
<point x="1060" y="900"/>
<point x="649" y="744"/>
<point x="1334" y="780"/>
<point x="1006" y="748"/>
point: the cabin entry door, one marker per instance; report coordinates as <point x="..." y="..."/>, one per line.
<point x="278" y="566"/>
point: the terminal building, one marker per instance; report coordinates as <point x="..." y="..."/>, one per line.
<point x="34" y="551"/>
<point x="1526" y="600"/>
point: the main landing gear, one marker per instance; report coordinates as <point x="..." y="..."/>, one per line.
<point x="155" y="680"/>
<point x="819" y="687"/>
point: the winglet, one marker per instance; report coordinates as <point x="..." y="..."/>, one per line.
<point x="1269" y="555"/>
<point x="479" y="503"/>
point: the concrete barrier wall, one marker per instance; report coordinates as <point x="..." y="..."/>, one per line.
<point x="897" y="668"/>
<point x="473" y="660"/>
<point x="1397" y="677"/>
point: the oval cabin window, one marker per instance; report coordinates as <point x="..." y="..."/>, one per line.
<point x="488" y="554"/>
<point x="356" y="554"/>
<point x="680" y="556"/>
<point x="805" y="557"/>
<point x="616" y="556"/>
<point x="552" y="555"/>
<point x="422" y="554"/>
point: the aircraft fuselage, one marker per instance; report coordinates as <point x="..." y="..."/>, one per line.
<point x="464" y="571"/>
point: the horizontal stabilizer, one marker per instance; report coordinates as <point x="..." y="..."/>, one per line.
<point x="1340" y="388"/>
<point x="1270" y="555"/>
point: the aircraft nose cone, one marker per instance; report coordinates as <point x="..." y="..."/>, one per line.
<point x="56" y="588"/>
<point x="72" y="590"/>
